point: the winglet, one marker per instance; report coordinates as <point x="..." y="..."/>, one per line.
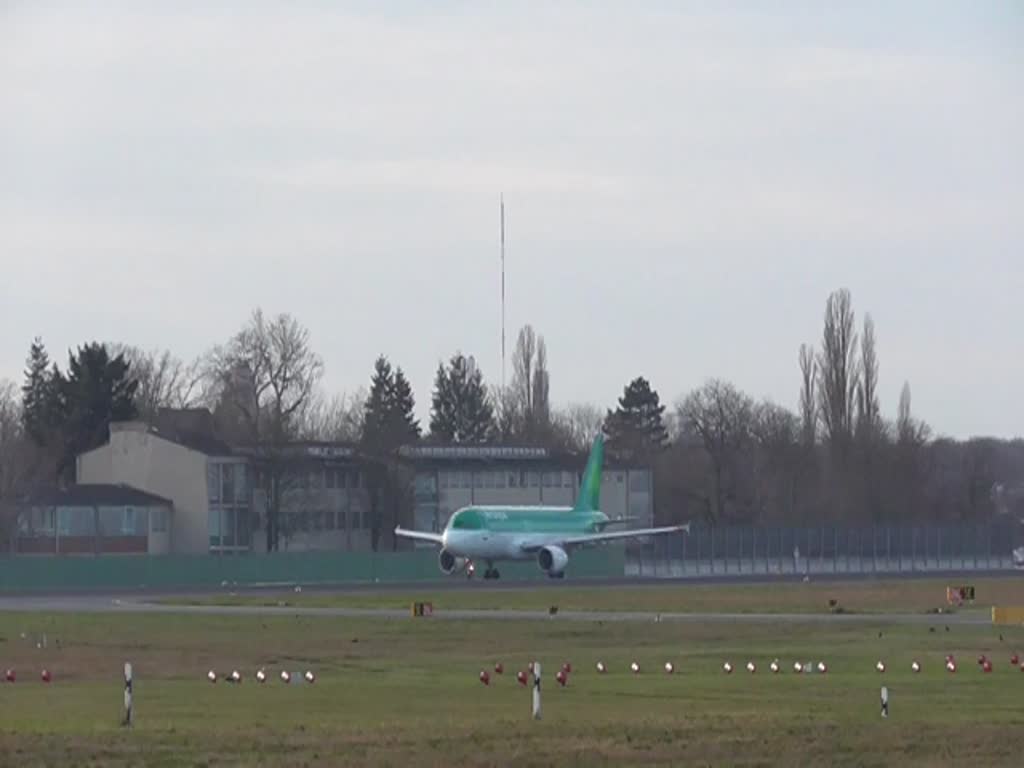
<point x="589" y="499"/>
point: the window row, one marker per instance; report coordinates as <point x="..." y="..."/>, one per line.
<point x="506" y="479"/>
<point x="81" y="521"/>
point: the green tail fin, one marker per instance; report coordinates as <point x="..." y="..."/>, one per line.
<point x="589" y="499"/>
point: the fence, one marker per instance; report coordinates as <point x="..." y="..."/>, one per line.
<point x="747" y="551"/>
<point x="126" y="572"/>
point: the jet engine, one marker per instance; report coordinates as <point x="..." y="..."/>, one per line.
<point x="450" y="564"/>
<point x="552" y="561"/>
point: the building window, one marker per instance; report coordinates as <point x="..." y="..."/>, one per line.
<point x="467" y="480"/>
<point x="227" y="477"/>
<point x="499" y="479"/>
<point x="330" y="478"/>
<point x="316" y="479"/>
<point x="354" y="480"/>
<point x="568" y="481"/>
<point x="213" y="481"/>
<point x="534" y="479"/>
<point x="158" y="520"/>
<point x="213" y="527"/>
<point x="513" y="479"/>
<point x="128" y="522"/>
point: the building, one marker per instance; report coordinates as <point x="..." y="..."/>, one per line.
<point x="220" y="493"/>
<point x="94" y="519"/>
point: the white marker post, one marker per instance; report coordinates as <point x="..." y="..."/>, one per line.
<point x="885" y="701"/>
<point x="127" y="694"/>
<point x="536" y="690"/>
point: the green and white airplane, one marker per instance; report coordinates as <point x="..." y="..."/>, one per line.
<point x="549" y="534"/>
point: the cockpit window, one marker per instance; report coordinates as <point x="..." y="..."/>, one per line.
<point x="466" y="520"/>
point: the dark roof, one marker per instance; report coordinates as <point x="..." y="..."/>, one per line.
<point x="192" y="428"/>
<point x="89" y="495"/>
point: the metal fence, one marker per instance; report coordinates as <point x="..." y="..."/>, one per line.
<point x="750" y="551"/>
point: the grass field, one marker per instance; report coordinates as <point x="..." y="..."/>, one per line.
<point x="882" y="596"/>
<point x="405" y="692"/>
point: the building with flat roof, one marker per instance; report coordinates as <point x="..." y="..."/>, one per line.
<point x="94" y="519"/>
<point x="220" y="492"/>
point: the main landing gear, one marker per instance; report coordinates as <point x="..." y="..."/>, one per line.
<point x="491" y="572"/>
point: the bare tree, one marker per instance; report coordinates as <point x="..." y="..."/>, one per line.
<point x="577" y="424"/>
<point x="15" y="461"/>
<point x="508" y="418"/>
<point x="909" y="431"/>
<point x="165" y="381"/>
<point x="837" y="373"/>
<point x="268" y="374"/>
<point x="869" y="417"/>
<point x="531" y="384"/>
<point x="777" y="433"/>
<point x="265" y="378"/>
<point x="808" y="396"/>
<point x="721" y="417"/>
<point x="333" y="419"/>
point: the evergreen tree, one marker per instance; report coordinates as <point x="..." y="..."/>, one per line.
<point x="96" y="391"/>
<point x="402" y="406"/>
<point x="636" y="429"/>
<point x="462" y="412"/>
<point x="41" y="413"/>
<point x="444" y="407"/>
<point x="389" y="423"/>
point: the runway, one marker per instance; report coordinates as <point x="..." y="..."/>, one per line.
<point x="112" y="604"/>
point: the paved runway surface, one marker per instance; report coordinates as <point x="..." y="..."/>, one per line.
<point x="137" y="604"/>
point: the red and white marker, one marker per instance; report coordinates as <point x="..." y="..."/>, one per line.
<point x="9" y="676"/>
<point x="211" y="676"/>
<point x="986" y="666"/>
<point x="45" y="675"/>
<point x="521" y="677"/>
<point x="915" y="667"/>
<point x="774" y="667"/>
<point x="751" y="667"/>
<point x="484" y="677"/>
<point x="635" y="668"/>
<point x="727" y="668"/>
<point x="499" y="669"/>
<point x="261" y="676"/>
<point x="310" y="677"/>
<point x="822" y="668"/>
<point x="1015" y="660"/>
<point x="235" y="677"/>
<point x="669" y="668"/>
<point x="567" y="668"/>
<point x="285" y="676"/>
<point x="951" y="666"/>
<point x="798" y="667"/>
<point x="562" y="678"/>
<point x="600" y="667"/>
<point x="880" y="666"/>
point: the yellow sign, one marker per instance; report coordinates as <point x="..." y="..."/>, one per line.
<point x="1005" y="614"/>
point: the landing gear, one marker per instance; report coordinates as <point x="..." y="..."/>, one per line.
<point x="491" y="572"/>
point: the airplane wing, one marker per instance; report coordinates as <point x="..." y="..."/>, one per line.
<point x="597" y="538"/>
<point x="433" y="538"/>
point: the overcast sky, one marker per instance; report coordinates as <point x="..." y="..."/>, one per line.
<point x="685" y="184"/>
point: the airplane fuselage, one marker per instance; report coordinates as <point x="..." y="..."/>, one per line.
<point x="498" y="533"/>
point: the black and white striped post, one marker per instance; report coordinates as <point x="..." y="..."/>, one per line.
<point x="127" y="694"/>
<point x="536" y="690"/>
<point x="885" y="701"/>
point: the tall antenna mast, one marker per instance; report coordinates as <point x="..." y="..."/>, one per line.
<point x="503" y="291"/>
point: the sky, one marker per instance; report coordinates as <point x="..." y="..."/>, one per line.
<point x="685" y="183"/>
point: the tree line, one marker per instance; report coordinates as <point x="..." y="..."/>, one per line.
<point x="719" y="455"/>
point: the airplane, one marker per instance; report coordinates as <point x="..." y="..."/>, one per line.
<point x="549" y="534"/>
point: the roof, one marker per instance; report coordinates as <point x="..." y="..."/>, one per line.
<point x="95" y="494"/>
